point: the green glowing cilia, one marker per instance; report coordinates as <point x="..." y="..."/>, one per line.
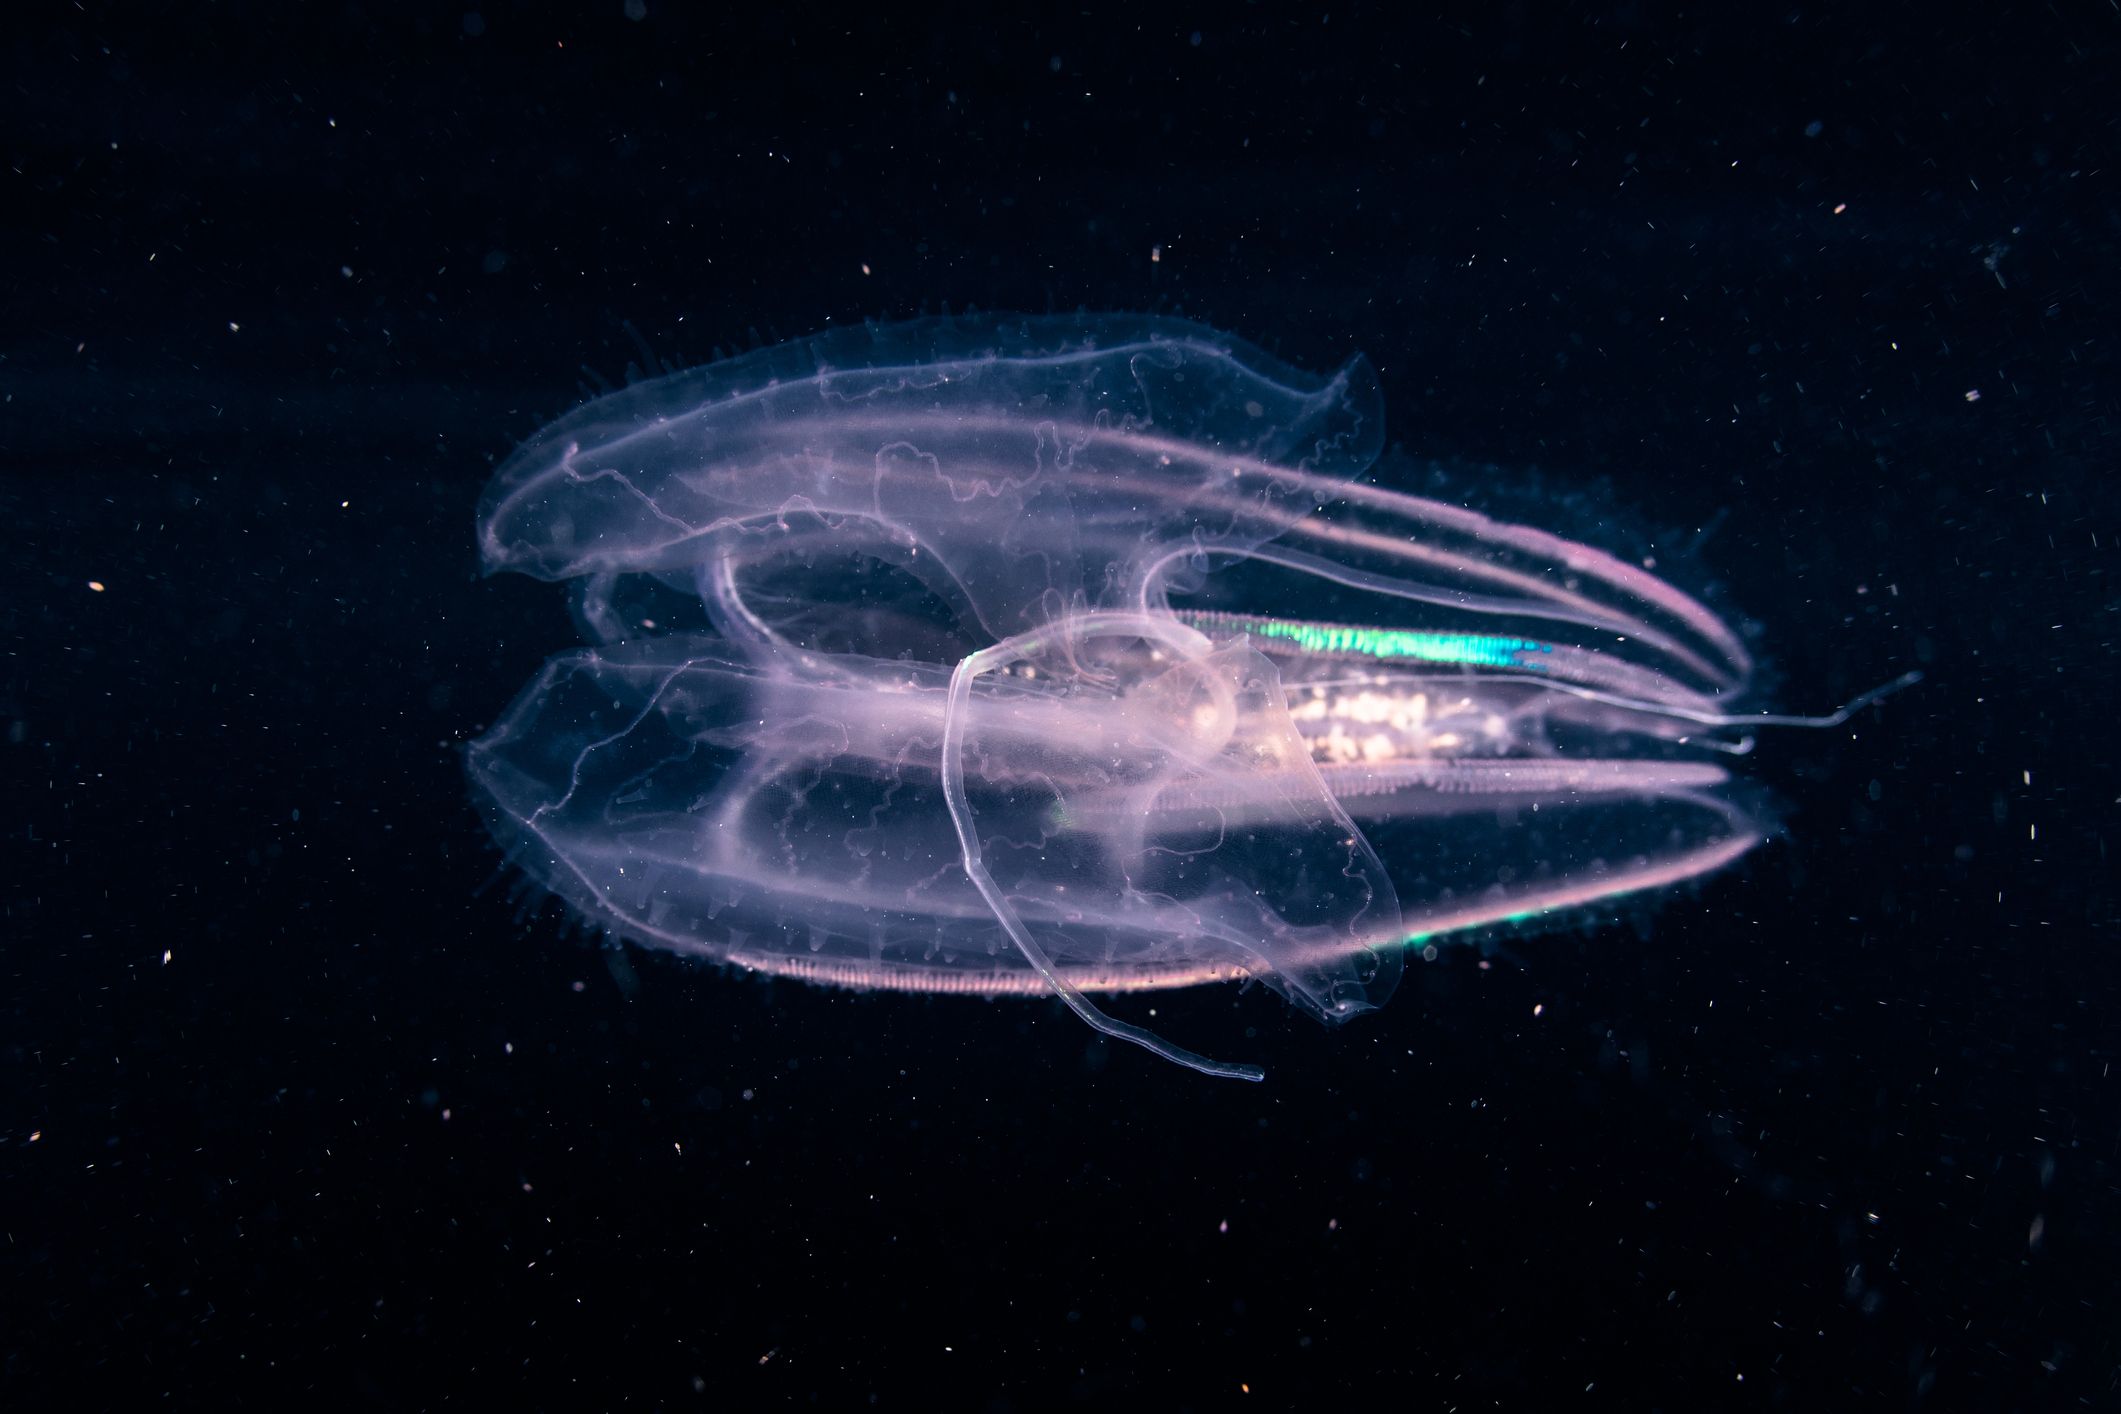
<point x="1482" y="650"/>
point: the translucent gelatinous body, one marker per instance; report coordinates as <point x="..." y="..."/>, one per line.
<point x="1070" y="655"/>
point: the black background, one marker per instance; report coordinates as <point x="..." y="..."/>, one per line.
<point x="297" y="1104"/>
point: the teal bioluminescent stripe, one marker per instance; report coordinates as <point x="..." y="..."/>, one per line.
<point x="1479" y="649"/>
<point x="1507" y="920"/>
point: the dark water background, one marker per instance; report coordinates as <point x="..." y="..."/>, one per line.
<point x="298" y="1109"/>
